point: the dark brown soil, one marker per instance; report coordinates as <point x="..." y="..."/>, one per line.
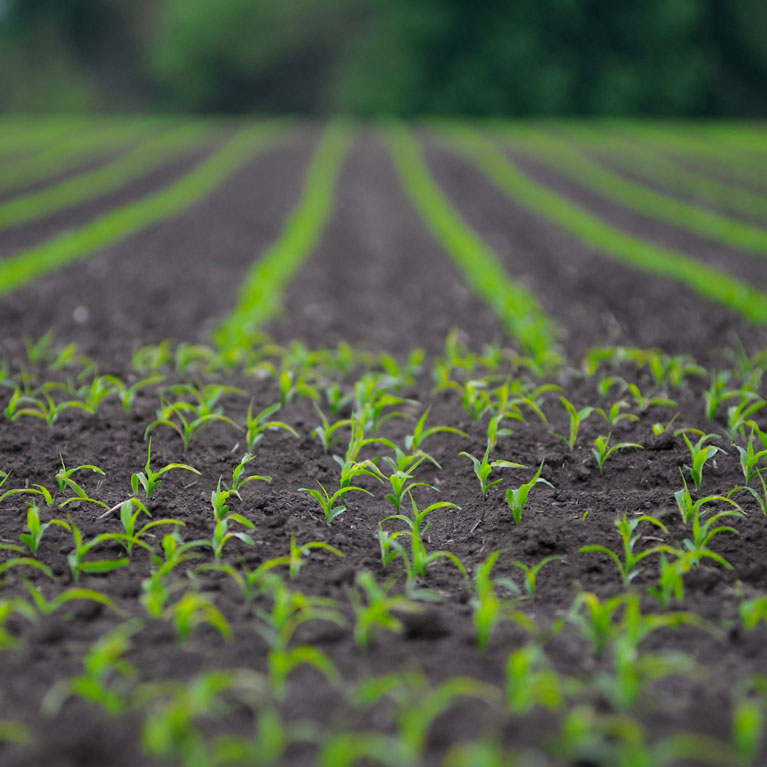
<point x="159" y="283"/>
<point x="16" y="238"/>
<point x="379" y="279"/>
<point x="610" y="161"/>
<point x="751" y="267"/>
<point x="597" y="300"/>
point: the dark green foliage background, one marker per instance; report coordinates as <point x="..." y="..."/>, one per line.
<point x="402" y="57"/>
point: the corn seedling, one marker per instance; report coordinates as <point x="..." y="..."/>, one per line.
<point x="239" y="479"/>
<point x="739" y="416"/>
<point x="749" y="719"/>
<point x="127" y="394"/>
<point x="489" y="609"/>
<point x="173" y="417"/>
<point x="49" y="606"/>
<point x="753" y="612"/>
<point x="129" y="520"/>
<point x="750" y="458"/>
<point x="671" y="579"/>
<point x="531" y="572"/>
<point x="760" y="498"/>
<point x="193" y="610"/>
<point x="632" y="672"/>
<point x="700" y="453"/>
<point x="77" y="559"/>
<point x="149" y="480"/>
<point x="375" y="607"/>
<point x="283" y="661"/>
<point x="45" y="408"/>
<point x="290" y="610"/>
<point x="402" y="484"/>
<point x="597" y="620"/>
<point x="644" y="402"/>
<point x="418" y="560"/>
<point x="256" y="425"/>
<point x="577" y="417"/>
<point x="484" y="468"/>
<point x="689" y="508"/>
<point x="326" y="432"/>
<point x="531" y="682"/>
<point x="67" y="484"/>
<point x="602" y="451"/>
<point x="420" y="433"/>
<point x="516" y="498"/>
<point x="107" y="678"/>
<point x="221" y="535"/>
<point x="704" y="532"/>
<point x="613" y="414"/>
<point x="328" y="502"/>
<point x="628" y="567"/>
<point x="33" y="536"/>
<point x="9" y="607"/>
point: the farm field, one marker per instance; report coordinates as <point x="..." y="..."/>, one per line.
<point x="397" y="445"/>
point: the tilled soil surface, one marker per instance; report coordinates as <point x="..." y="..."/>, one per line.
<point x="597" y="300"/>
<point x="15" y="238"/>
<point x="377" y="279"/>
<point x="749" y="266"/>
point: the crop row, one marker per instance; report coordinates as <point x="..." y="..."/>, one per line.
<point x="79" y="527"/>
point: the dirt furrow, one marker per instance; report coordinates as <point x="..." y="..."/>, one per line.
<point x="597" y="300"/>
<point x="173" y="279"/>
<point x="747" y="266"/>
<point x="378" y="278"/>
<point x="29" y="234"/>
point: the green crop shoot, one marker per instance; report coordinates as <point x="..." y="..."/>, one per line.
<point x="261" y="291"/>
<point x="282" y="662"/>
<point x="193" y="610"/>
<point x="222" y="535"/>
<point x="256" y="425"/>
<point x="671" y="580"/>
<point x="149" y="479"/>
<point x="290" y="610"/>
<point x="632" y="672"/>
<point x="515" y="306"/>
<point x="328" y="503"/>
<point x="402" y="483"/>
<point x="628" y="567"/>
<point x="710" y="283"/>
<point x="489" y="609"/>
<point x="644" y="402"/>
<point x="700" y="454"/>
<point x="750" y="458"/>
<point x="70" y="246"/>
<point x="753" y="612"/>
<point x="531" y="682"/>
<point x="531" y="572"/>
<point x="67" y="484"/>
<point x="704" y="532"/>
<point x="516" y="498"/>
<point x="484" y="467"/>
<point x="240" y="479"/>
<point x="326" y="432"/>
<point x="417" y="561"/>
<point x="173" y="417"/>
<point x="602" y="451"/>
<point x="134" y="531"/>
<point x="689" y="508"/>
<point x="375" y="609"/>
<point x="107" y="678"/>
<point x="33" y="536"/>
<point x="613" y="414"/>
<point x="49" y="606"/>
<point x="44" y="407"/>
<point x="749" y="719"/>
<point x="577" y="417"/>
<point x="420" y="433"/>
<point x="36" y="489"/>
<point x="760" y="498"/>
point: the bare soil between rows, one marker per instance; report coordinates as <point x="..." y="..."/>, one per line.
<point x="378" y="279"/>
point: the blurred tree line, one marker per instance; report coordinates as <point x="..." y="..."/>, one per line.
<point x="403" y="57"/>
